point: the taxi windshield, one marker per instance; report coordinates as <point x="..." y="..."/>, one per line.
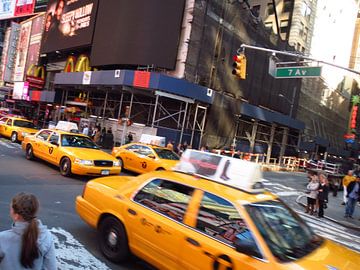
<point x="24" y="124"/>
<point x="68" y="140"/>
<point x="286" y="234"/>
<point x="166" y="154"/>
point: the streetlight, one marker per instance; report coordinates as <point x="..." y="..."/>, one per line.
<point x="290" y="101"/>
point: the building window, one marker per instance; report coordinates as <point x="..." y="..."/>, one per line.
<point x="305" y="10"/>
<point x="284" y="26"/>
<point x="301" y="30"/>
<point x="256" y="10"/>
<point x="287" y="6"/>
<point x="268" y="25"/>
<point x="270" y="9"/>
<point x="305" y="35"/>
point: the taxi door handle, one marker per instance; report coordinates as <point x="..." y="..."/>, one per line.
<point x="193" y="242"/>
<point x="145" y="222"/>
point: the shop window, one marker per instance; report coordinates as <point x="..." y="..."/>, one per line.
<point x="270" y="9"/>
<point x="165" y="197"/>
<point x="219" y="219"/>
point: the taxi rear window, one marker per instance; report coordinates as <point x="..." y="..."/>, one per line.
<point x="168" y="198"/>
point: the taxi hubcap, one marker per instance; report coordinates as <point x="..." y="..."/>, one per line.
<point x="65" y="166"/>
<point x="112" y="238"/>
<point x="14" y="137"/>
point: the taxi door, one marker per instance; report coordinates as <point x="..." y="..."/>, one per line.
<point x="51" y="148"/>
<point x="8" y="128"/>
<point x="145" y="161"/>
<point x="155" y="222"/>
<point x="40" y="147"/>
<point x="208" y="243"/>
<point x="129" y="156"/>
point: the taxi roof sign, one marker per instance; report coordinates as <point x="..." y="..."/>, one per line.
<point x="153" y="140"/>
<point x="234" y="172"/>
<point x="67" y="126"/>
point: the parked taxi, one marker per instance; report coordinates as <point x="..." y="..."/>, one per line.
<point x="211" y="212"/>
<point x="141" y="158"/>
<point x="16" y="128"/>
<point x="73" y="153"/>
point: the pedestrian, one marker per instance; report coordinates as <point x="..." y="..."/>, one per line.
<point x="353" y="194"/>
<point x="28" y="244"/>
<point x="345" y="182"/>
<point x="170" y="146"/>
<point x="323" y="192"/>
<point x="85" y="130"/>
<point x="102" y="135"/>
<point x="130" y="137"/>
<point x="312" y="193"/>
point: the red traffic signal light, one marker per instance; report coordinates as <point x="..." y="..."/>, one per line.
<point x="239" y="66"/>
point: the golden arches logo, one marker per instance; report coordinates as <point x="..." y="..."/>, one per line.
<point x="36" y="71"/>
<point x="81" y="64"/>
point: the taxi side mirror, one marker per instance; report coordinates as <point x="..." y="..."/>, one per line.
<point x="247" y="247"/>
<point x="151" y="156"/>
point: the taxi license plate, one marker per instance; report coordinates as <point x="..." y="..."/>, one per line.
<point x="105" y="172"/>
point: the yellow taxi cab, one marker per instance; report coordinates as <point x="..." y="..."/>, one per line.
<point x="142" y="158"/>
<point x="211" y="212"/>
<point x="16" y="128"/>
<point x="73" y="153"/>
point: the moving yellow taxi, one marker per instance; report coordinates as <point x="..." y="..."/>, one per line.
<point x="211" y="212"/>
<point x="16" y="128"/>
<point x="73" y="153"/>
<point x="141" y="158"/>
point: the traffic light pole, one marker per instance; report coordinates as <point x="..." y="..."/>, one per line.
<point x="296" y="55"/>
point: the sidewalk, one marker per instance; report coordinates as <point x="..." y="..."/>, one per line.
<point x="336" y="211"/>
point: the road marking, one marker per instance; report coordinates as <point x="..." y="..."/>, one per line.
<point x="71" y="254"/>
<point x="6" y="145"/>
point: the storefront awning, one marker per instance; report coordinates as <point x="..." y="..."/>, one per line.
<point x="138" y="79"/>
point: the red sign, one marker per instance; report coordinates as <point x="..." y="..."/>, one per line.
<point x="36" y="95"/>
<point x="349" y="136"/>
<point x="24" y="7"/>
<point x="142" y="79"/>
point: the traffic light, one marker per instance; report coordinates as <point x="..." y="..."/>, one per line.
<point x="239" y="66"/>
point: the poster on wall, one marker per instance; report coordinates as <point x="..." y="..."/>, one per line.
<point x="21" y="91"/>
<point x="68" y="24"/>
<point x="11" y="53"/>
<point x="23" y="44"/>
<point x="35" y="41"/>
<point x="7" y="8"/>
<point x="4" y="55"/>
<point x="24" y="7"/>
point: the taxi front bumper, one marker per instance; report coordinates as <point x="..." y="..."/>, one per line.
<point x="94" y="170"/>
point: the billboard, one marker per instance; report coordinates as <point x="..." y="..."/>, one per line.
<point x="4" y="55"/>
<point x="11" y="53"/>
<point x="24" y="7"/>
<point x="147" y="33"/>
<point x="7" y="8"/>
<point x="22" y="50"/>
<point x="68" y="24"/>
<point x="35" y="41"/>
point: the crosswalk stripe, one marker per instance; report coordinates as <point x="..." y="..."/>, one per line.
<point x="71" y="254"/>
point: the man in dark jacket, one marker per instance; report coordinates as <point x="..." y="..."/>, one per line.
<point x="353" y="194"/>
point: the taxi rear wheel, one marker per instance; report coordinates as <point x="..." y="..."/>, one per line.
<point x="113" y="240"/>
<point x="65" y="167"/>
<point x="14" y="137"/>
<point x="29" y="152"/>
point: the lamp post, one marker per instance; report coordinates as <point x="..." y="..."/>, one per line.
<point x="290" y="101"/>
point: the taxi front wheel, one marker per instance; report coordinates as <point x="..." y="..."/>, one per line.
<point x="14" y="137"/>
<point x="113" y="240"/>
<point x="65" y="167"/>
<point x="29" y="152"/>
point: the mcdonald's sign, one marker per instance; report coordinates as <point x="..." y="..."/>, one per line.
<point x="35" y="76"/>
<point x="80" y="64"/>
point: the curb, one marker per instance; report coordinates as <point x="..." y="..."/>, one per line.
<point x="346" y="225"/>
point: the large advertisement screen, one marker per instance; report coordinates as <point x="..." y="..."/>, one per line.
<point x="22" y="50"/>
<point x="137" y="32"/>
<point x="68" y="24"/>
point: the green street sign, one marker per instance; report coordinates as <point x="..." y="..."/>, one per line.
<point x="297" y="72"/>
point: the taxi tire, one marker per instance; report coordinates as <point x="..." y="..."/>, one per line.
<point x="14" y="137"/>
<point x="119" y="252"/>
<point x="121" y="163"/>
<point x="29" y="152"/>
<point x="65" y="162"/>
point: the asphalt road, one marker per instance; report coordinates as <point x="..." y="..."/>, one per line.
<point x="76" y="242"/>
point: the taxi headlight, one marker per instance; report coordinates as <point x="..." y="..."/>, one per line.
<point x="116" y="163"/>
<point x="84" y="162"/>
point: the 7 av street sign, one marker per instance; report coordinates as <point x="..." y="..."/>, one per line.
<point x="291" y="71"/>
<point x="297" y="72"/>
